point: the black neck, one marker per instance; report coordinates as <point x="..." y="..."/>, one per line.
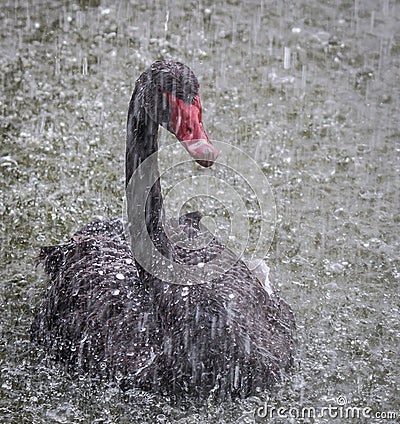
<point x="144" y="197"/>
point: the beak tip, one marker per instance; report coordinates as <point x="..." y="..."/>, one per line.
<point x="202" y="151"/>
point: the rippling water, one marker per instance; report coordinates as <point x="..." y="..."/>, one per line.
<point x="309" y="89"/>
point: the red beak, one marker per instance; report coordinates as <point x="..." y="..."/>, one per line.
<point x="187" y="125"/>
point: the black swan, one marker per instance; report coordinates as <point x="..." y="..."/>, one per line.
<point x="107" y="314"/>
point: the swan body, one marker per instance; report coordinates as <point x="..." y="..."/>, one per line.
<point x="107" y="314"/>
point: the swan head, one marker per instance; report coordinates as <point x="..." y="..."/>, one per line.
<point x="171" y="99"/>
